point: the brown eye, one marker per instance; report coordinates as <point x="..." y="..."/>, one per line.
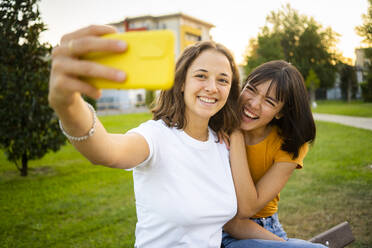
<point x="200" y="76"/>
<point x="222" y="80"/>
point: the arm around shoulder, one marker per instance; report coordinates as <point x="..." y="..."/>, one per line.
<point x="253" y="197"/>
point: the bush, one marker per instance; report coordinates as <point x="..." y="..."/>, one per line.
<point x="367" y="91"/>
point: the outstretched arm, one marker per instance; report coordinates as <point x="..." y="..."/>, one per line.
<point x="66" y="86"/>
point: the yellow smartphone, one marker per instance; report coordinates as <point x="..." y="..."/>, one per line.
<point x="149" y="61"/>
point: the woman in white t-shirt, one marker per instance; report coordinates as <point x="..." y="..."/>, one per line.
<point x="182" y="180"/>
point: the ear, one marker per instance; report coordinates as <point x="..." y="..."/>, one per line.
<point x="278" y="115"/>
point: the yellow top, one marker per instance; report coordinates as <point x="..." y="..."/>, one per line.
<point x="262" y="156"/>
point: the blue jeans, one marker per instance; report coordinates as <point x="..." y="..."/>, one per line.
<point x="273" y="225"/>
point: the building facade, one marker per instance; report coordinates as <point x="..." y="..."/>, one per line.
<point x="361" y="67"/>
<point x="361" y="64"/>
<point x="187" y="31"/>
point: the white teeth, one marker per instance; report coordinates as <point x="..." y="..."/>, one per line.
<point x="250" y="115"/>
<point x="207" y="100"/>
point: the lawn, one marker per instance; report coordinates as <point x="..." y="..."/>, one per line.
<point x="354" y="108"/>
<point x="66" y="202"/>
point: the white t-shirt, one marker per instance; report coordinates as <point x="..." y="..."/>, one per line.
<point x="184" y="190"/>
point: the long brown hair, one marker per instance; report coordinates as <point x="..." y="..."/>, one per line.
<point x="296" y="126"/>
<point x="170" y="106"/>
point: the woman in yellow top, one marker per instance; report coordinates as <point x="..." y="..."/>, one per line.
<point x="277" y="126"/>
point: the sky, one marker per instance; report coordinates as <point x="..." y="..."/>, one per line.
<point x="236" y="21"/>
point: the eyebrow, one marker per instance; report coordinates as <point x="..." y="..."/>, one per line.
<point x="273" y="99"/>
<point x="203" y="70"/>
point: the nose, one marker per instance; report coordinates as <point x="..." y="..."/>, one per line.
<point x="211" y="85"/>
<point x="255" y="102"/>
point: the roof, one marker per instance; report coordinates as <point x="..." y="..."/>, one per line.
<point x="180" y="14"/>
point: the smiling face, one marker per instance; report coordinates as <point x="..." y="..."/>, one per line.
<point x="207" y="85"/>
<point x="259" y="106"/>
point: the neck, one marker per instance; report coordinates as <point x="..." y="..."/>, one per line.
<point x="255" y="136"/>
<point x="197" y="130"/>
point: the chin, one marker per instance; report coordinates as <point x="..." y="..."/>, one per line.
<point x="247" y="126"/>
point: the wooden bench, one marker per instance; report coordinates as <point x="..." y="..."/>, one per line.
<point x="337" y="237"/>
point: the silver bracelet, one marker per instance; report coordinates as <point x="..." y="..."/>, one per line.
<point x="90" y="132"/>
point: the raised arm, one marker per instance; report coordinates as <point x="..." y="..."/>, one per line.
<point x="252" y="198"/>
<point x="66" y="86"/>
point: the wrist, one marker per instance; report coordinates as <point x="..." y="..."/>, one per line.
<point x="237" y="135"/>
<point x="89" y="133"/>
<point x="65" y="103"/>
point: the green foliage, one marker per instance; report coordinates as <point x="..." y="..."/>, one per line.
<point x="299" y="40"/>
<point x="367" y="84"/>
<point x="367" y="90"/>
<point x="312" y="83"/>
<point x="365" y="30"/>
<point x="312" y="80"/>
<point x="349" y="82"/>
<point x="28" y="127"/>
<point x="267" y="47"/>
<point x="91" y="101"/>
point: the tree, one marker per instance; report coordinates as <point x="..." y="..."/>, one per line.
<point x="299" y="40"/>
<point x="312" y="83"/>
<point x="265" y="48"/>
<point x="150" y="98"/>
<point x="28" y="127"/>
<point x="367" y="84"/>
<point x="365" y="30"/>
<point x="349" y="83"/>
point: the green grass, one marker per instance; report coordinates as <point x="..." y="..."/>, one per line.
<point x="334" y="185"/>
<point x="66" y="202"/>
<point x="354" y="108"/>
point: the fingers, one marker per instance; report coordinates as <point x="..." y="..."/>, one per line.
<point x="66" y="85"/>
<point x="69" y="66"/>
<point x="226" y="139"/>
<point x="78" y="47"/>
<point x="92" y="30"/>
<point x="83" y="68"/>
<point x="220" y="137"/>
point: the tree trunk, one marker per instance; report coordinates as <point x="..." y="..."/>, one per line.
<point x="312" y="95"/>
<point x="348" y="97"/>
<point x="24" y="165"/>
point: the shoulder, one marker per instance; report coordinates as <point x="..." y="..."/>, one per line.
<point x="151" y="129"/>
<point x="284" y="156"/>
<point x="222" y="148"/>
<point x="274" y="139"/>
<point x="151" y="125"/>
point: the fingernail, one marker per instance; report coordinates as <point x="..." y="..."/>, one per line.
<point x="121" y="45"/>
<point x="120" y="76"/>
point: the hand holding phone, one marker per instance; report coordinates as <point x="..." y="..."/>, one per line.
<point x="149" y="61"/>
